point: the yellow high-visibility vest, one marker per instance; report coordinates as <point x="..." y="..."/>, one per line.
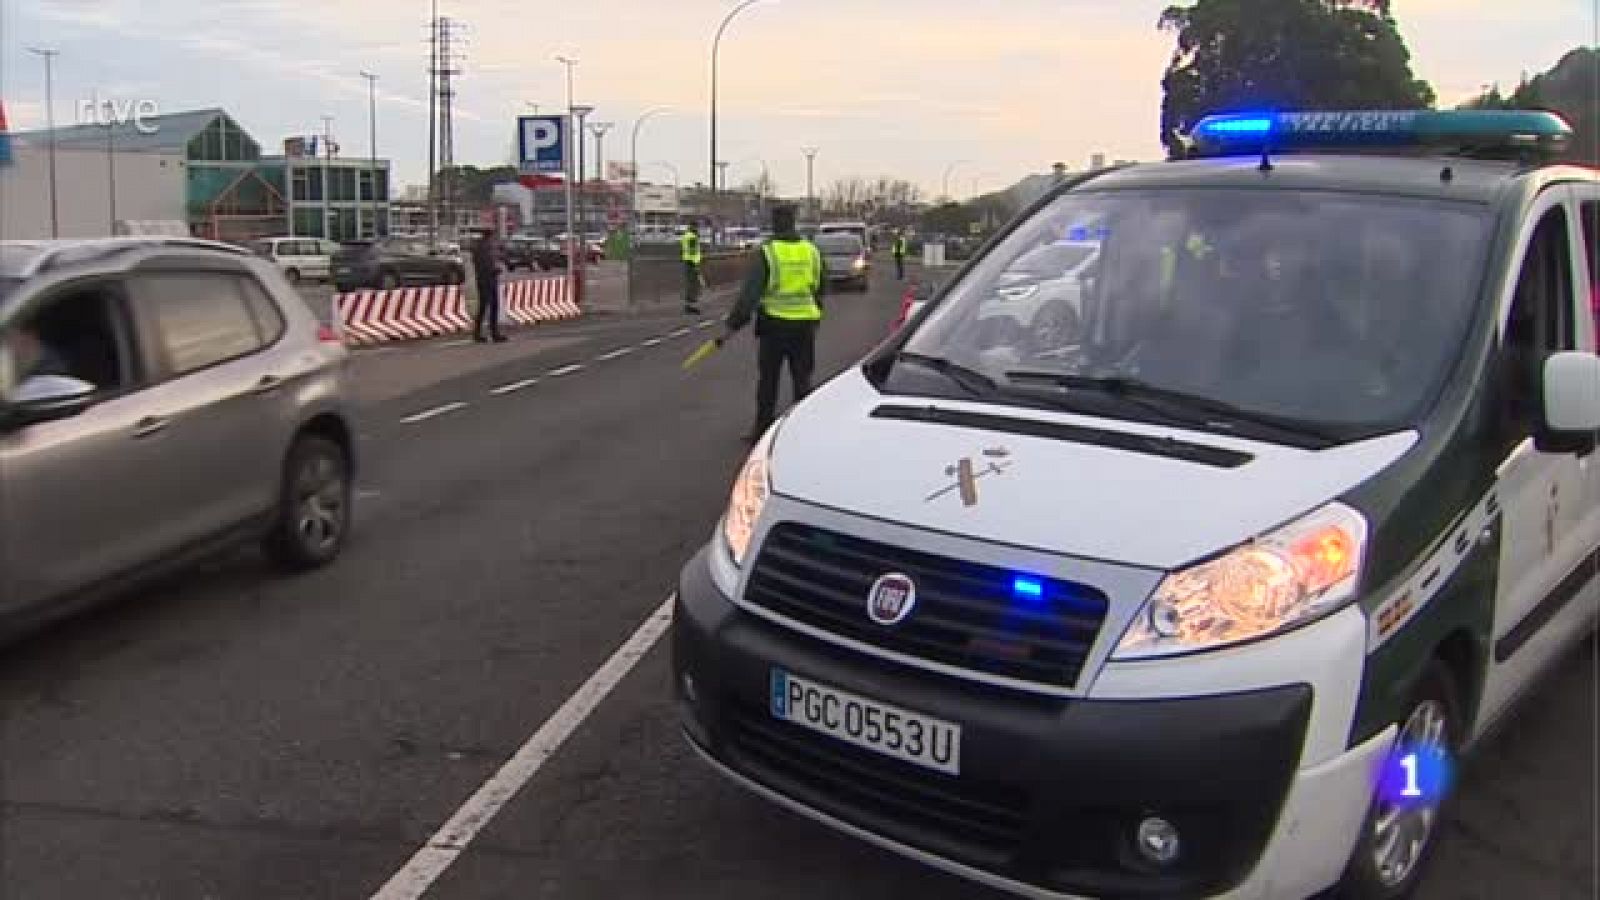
<point x="794" y="275"/>
<point x="690" y="246"/>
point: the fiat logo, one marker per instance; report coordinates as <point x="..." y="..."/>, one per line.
<point x="891" y="599"/>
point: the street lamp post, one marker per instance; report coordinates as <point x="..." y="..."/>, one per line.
<point x="372" y="146"/>
<point x="572" y="246"/>
<point x="49" y="55"/>
<point x="948" y="171"/>
<point x="633" y="195"/>
<point x="716" y="45"/>
<point x="633" y="189"/>
<point x="111" y="164"/>
<point x="599" y="130"/>
<point x="811" y="193"/>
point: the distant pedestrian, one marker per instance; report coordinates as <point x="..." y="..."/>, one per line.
<point x="900" y="255"/>
<point x="486" y="272"/>
<point x="783" y="294"/>
<point x="689" y="247"/>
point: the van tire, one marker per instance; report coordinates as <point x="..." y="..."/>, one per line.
<point x="1362" y="879"/>
<point x="312" y="522"/>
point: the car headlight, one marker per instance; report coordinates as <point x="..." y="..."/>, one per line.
<point x="860" y="264"/>
<point x="1296" y="573"/>
<point x="748" y="498"/>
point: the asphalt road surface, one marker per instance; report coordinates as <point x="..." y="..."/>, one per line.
<point x="523" y="509"/>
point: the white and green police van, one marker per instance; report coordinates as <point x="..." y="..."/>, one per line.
<point x="1198" y="590"/>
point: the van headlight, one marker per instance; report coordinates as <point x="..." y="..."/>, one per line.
<point x="1294" y="574"/>
<point x="748" y="498"/>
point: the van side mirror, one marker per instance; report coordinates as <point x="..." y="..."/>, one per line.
<point x="1571" y="386"/>
<point x="46" y="398"/>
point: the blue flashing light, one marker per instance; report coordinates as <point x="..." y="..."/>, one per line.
<point x="1023" y="586"/>
<point x="1280" y="131"/>
<point x="1239" y="126"/>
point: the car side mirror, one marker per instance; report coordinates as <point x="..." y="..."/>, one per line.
<point x="46" y="398"/>
<point x="1571" y="386"/>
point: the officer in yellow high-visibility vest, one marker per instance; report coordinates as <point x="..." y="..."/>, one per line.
<point x="782" y="293"/>
<point x="689" y="251"/>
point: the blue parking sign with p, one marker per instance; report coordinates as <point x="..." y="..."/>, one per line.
<point x="542" y="143"/>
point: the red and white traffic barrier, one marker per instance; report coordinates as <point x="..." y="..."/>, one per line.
<point x="375" y="317"/>
<point x="537" y="300"/>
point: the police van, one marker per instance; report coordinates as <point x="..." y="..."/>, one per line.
<point x="1204" y="595"/>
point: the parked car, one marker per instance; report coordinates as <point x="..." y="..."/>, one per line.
<point x="160" y="398"/>
<point x="392" y="263"/>
<point x="299" y="258"/>
<point x="526" y="252"/>
<point x="845" y="259"/>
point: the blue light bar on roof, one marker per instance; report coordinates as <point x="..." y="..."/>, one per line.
<point x="1506" y="129"/>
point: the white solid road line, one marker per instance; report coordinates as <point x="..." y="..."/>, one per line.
<point x="514" y="386"/>
<point x="565" y="370"/>
<point x="448" y="843"/>
<point x="427" y="414"/>
<point x="623" y="351"/>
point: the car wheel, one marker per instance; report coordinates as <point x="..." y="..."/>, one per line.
<point x="293" y="275"/>
<point x="388" y="281"/>
<point x="1396" y="842"/>
<point x="312" y="523"/>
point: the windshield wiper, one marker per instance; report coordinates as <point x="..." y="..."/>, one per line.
<point x="1190" y="408"/>
<point x="971" y="380"/>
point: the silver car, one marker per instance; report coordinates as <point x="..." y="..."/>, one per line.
<point x="160" y="399"/>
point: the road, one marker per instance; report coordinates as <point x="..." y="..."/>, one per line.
<point x="523" y="509"/>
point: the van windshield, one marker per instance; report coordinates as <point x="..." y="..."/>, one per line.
<point x="1344" y="311"/>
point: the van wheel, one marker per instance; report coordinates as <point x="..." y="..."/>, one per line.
<point x="313" y="518"/>
<point x="293" y="275"/>
<point x="1396" y="843"/>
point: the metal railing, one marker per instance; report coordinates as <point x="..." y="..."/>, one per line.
<point x="655" y="274"/>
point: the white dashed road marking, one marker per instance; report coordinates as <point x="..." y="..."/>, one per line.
<point x="566" y="370"/>
<point x="448" y="843"/>
<point x="651" y="343"/>
<point x="427" y="414"/>
<point x="680" y="332"/>
<point x="514" y="386"/>
<point x="615" y="354"/>
<point x="707" y="323"/>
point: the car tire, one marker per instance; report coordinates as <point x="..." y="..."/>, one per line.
<point x="387" y="280"/>
<point x="293" y="275"/>
<point x="1371" y="873"/>
<point x="312" y="522"/>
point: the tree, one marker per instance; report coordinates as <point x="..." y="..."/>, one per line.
<point x="847" y="197"/>
<point x="1568" y="89"/>
<point x="474" y="187"/>
<point x="1236" y="55"/>
<point x="949" y="218"/>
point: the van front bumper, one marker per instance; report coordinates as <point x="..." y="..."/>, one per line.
<point x="1051" y="790"/>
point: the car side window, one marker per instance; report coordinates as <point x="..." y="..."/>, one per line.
<point x="268" y="318"/>
<point x="1541" y="320"/>
<point x="199" y="319"/>
<point x="80" y="333"/>
<point x="1590" y="213"/>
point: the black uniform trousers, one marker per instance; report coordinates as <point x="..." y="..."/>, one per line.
<point x="691" y="283"/>
<point x="488" y="308"/>
<point x="780" y="341"/>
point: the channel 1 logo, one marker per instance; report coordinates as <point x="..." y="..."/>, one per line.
<point x="543" y="143"/>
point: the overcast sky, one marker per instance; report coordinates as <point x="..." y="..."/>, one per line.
<point x="881" y="87"/>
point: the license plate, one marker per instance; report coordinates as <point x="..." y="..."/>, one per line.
<point x="915" y="738"/>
